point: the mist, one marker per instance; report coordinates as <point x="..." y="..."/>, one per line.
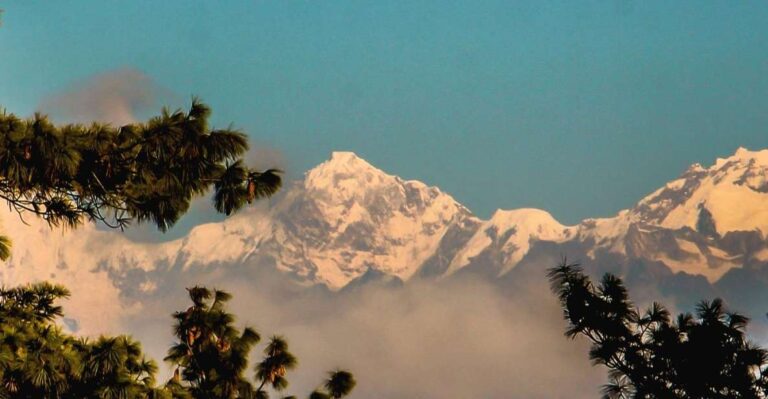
<point x="116" y="97"/>
<point x="455" y="338"/>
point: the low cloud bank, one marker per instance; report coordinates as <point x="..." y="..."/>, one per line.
<point x="451" y="339"/>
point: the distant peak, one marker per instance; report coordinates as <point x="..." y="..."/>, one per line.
<point x="346" y="160"/>
<point x="343" y="156"/>
<point x="743" y="154"/>
<point x="695" y="168"/>
<point x="760" y="156"/>
<point x="520" y="212"/>
<point x="742" y="151"/>
<point x="525" y="216"/>
<point x="344" y="166"/>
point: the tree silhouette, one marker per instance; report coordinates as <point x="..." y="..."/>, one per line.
<point x="211" y="354"/>
<point x="143" y="172"/>
<point x="650" y="355"/>
<point x="338" y="385"/>
<point x="39" y="360"/>
<point x="114" y="367"/>
<point x="277" y="361"/>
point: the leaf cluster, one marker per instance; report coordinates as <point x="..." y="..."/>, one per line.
<point x="39" y="360"/>
<point x="142" y="172"/>
<point x="650" y="354"/>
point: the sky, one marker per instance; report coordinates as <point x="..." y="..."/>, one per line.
<point x="579" y="108"/>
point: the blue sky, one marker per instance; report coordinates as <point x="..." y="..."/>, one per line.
<point x="579" y="108"/>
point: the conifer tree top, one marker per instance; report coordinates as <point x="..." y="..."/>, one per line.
<point x="142" y="172"/>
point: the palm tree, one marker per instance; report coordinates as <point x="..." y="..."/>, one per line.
<point x="211" y="355"/>
<point x="340" y="383"/>
<point x="277" y="361"/>
<point x="39" y="360"/>
<point x="114" y="367"/>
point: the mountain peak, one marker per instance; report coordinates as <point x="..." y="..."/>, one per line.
<point x="348" y="216"/>
<point x="525" y="216"/>
<point x="344" y="166"/>
<point x="347" y="160"/>
<point x="733" y="189"/>
<point x="744" y="155"/>
<point x="344" y="156"/>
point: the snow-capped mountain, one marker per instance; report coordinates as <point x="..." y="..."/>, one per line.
<point x="349" y="223"/>
<point x="347" y="217"/>
<point x="706" y="222"/>
<point x="508" y="236"/>
<point x="733" y="191"/>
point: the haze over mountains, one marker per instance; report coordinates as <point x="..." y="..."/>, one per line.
<point x="349" y="232"/>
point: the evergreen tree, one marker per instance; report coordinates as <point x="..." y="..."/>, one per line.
<point x="338" y="385"/>
<point x="211" y="354"/>
<point x="39" y="360"/>
<point x="649" y="354"/>
<point x="143" y="172"/>
<point x="277" y="361"/>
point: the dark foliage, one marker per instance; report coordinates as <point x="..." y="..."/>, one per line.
<point x="651" y="355"/>
<point x="211" y="354"/>
<point x="144" y="172"/>
<point x="39" y="360"/>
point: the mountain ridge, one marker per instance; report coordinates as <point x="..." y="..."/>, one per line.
<point x="347" y="216"/>
<point x="348" y="222"/>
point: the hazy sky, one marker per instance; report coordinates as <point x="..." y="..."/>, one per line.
<point x="579" y="108"/>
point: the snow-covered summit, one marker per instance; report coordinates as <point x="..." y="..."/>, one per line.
<point x="347" y="216"/>
<point x="733" y="193"/>
<point x="535" y="222"/>
<point x="743" y="154"/>
<point x="507" y="236"/>
<point x="346" y="174"/>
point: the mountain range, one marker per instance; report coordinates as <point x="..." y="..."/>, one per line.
<point x="347" y="224"/>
